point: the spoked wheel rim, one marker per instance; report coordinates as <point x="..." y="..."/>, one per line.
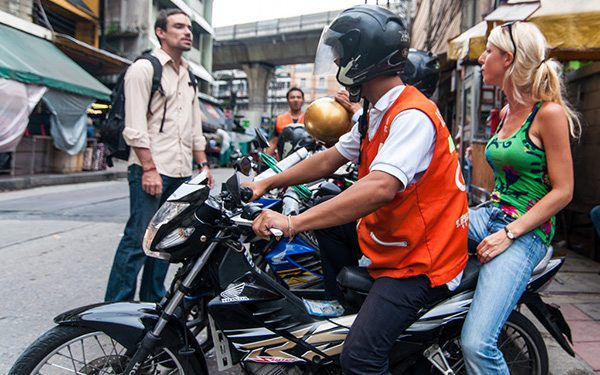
<point x="519" y="350"/>
<point x="96" y="353"/>
<point x="516" y="345"/>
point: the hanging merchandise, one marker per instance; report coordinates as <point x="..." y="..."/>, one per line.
<point x="17" y="100"/>
<point x="68" y="120"/>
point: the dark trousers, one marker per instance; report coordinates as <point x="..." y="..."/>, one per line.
<point x="339" y="248"/>
<point x="130" y="258"/>
<point x="390" y="307"/>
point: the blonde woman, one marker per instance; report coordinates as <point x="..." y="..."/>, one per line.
<point x="533" y="171"/>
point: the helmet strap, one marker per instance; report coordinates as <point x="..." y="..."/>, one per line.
<point x="363" y="126"/>
<point x="354" y="93"/>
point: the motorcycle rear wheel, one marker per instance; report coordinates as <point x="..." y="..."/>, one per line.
<point x="80" y="350"/>
<point x="520" y="342"/>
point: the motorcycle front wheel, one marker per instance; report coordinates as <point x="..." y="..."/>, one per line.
<point x="80" y="350"/>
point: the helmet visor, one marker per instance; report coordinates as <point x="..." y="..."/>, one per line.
<point x="328" y="54"/>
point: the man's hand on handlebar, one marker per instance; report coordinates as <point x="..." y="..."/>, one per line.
<point x="259" y="188"/>
<point x="268" y="222"/>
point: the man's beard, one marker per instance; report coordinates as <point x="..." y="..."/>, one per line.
<point x="184" y="48"/>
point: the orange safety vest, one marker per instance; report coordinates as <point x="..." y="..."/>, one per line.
<point x="285" y="119"/>
<point x="423" y="231"/>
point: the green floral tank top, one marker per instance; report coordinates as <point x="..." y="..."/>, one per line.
<point x="520" y="174"/>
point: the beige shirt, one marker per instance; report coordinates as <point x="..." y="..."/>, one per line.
<point x="172" y="149"/>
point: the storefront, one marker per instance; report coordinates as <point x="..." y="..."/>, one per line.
<point x="40" y="82"/>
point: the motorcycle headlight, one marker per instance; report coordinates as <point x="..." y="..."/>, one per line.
<point x="165" y="214"/>
<point x="176" y="237"/>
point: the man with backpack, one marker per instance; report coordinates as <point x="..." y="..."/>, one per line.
<point x="162" y="126"/>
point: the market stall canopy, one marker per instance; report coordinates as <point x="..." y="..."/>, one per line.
<point x="29" y="59"/>
<point x="571" y="28"/>
<point x="468" y="44"/>
<point x="212" y="117"/>
<point x="94" y="60"/>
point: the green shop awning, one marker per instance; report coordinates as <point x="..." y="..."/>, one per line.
<point x="29" y="59"/>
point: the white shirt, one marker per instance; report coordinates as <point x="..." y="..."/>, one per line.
<point x="407" y="151"/>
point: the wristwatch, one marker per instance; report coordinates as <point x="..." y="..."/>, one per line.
<point x="509" y="234"/>
<point x="202" y="165"/>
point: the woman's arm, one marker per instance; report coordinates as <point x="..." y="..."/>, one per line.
<point x="553" y="130"/>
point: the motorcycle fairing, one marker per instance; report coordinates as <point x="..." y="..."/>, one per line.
<point x="295" y="262"/>
<point x="127" y="323"/>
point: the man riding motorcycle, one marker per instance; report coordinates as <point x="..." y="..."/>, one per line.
<point x="409" y="199"/>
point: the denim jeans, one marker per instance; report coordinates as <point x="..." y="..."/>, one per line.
<point x="501" y="283"/>
<point x="130" y="258"/>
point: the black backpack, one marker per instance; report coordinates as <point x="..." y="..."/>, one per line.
<point x="111" y="129"/>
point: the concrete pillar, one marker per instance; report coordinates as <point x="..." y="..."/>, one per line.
<point x="258" y="76"/>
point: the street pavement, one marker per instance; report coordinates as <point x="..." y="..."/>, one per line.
<point x="57" y="245"/>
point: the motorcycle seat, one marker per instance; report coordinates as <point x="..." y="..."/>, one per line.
<point x="359" y="280"/>
<point x="469" y="277"/>
<point x="356" y="279"/>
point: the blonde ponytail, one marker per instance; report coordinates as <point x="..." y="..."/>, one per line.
<point x="531" y="73"/>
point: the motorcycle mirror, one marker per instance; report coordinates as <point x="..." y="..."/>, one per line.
<point x="232" y="186"/>
<point x="328" y="188"/>
<point x="244" y="165"/>
<point x="262" y="140"/>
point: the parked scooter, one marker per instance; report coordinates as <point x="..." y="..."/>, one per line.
<point x="255" y="321"/>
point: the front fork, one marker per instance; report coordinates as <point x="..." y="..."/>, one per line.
<point x="152" y="339"/>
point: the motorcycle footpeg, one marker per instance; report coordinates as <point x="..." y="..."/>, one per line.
<point x="435" y="355"/>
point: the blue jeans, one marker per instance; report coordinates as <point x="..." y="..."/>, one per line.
<point x="130" y="257"/>
<point x="501" y="283"/>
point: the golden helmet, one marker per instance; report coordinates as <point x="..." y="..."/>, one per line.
<point x="326" y="120"/>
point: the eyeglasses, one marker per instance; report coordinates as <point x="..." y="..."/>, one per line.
<point x="509" y="25"/>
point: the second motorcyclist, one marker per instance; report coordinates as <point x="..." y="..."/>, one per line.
<point x="410" y="199"/>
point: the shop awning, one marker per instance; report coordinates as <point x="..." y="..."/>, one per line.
<point x="94" y="60"/>
<point x="213" y="117"/>
<point x="469" y="44"/>
<point x="29" y="59"/>
<point x="514" y="12"/>
<point x="571" y="28"/>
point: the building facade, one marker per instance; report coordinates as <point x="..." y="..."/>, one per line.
<point x="129" y="31"/>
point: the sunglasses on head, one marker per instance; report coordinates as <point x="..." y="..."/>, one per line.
<point x="509" y="25"/>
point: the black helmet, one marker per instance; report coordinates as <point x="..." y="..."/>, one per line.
<point x="292" y="138"/>
<point x="361" y="43"/>
<point x="422" y="70"/>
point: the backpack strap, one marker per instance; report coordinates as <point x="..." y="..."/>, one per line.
<point x="193" y="80"/>
<point x="156" y="85"/>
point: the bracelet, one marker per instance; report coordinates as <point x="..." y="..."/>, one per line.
<point x="290" y="234"/>
<point x="202" y="164"/>
<point x="153" y="168"/>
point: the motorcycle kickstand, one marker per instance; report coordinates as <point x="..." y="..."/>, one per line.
<point x="435" y="355"/>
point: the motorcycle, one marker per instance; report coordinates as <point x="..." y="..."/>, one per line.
<point x="255" y="321"/>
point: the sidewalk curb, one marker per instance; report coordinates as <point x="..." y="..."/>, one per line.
<point x="28" y="182"/>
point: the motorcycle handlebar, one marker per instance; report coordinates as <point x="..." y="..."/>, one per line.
<point x="246" y="194"/>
